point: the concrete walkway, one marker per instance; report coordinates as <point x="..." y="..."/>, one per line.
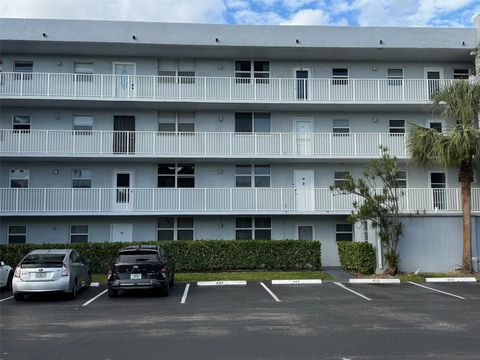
<point x="338" y="273"/>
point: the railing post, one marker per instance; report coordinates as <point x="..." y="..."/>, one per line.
<point x="71" y="199"/>
<point x="355" y="151"/>
<point x="231" y="199"/>
<point x="46" y="141"/>
<point x="44" y="200"/>
<point x="281" y="143"/>
<point x="154" y="144"/>
<point x="230" y="144"/>
<point x="75" y="85"/>
<point x="48" y="84"/>
<point x="205" y="87"/>
<point x="99" y="191"/>
<point x="230" y="88"/>
<point x="205" y="199"/>
<point x="101" y="85"/>
<point x="204" y="143"/>
<point x="378" y="89"/>
<point x="16" y="199"/>
<point x="153" y="87"/>
<point x="354" y="90"/>
<point x="280" y="89"/>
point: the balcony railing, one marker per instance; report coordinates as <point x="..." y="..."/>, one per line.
<point x="217" y="89"/>
<point x="214" y="201"/>
<point x="198" y="144"/>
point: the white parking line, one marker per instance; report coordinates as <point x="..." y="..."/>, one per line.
<point x="352" y="291"/>
<point x="184" y="297"/>
<point x="8" y="298"/>
<point x="95" y="298"/>
<point x="270" y="292"/>
<point x="222" y="283"/>
<point x="440" y="291"/>
<point x="296" y="282"/>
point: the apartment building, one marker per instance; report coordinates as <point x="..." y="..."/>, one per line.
<point x="121" y="131"/>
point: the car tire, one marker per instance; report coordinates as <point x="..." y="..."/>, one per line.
<point x="172" y="281"/>
<point x="9" y="281"/>
<point x="18" y="297"/>
<point x="112" y="293"/>
<point x="73" y="294"/>
<point x="89" y="281"/>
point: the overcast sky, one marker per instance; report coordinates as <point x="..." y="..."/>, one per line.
<point x="443" y="13"/>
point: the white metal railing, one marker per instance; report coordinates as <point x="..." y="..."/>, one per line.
<point x="198" y="144"/>
<point x="214" y="200"/>
<point x="226" y="89"/>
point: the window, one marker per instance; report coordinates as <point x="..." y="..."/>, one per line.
<point x="248" y="228"/>
<point x="395" y="77"/>
<point x="397" y="126"/>
<point x="84" y="71"/>
<point x="436" y="125"/>
<point x="21" y="122"/>
<point x="460" y="74"/>
<point x="402" y="179"/>
<point x="78" y="234"/>
<point x="252" y="122"/>
<point x="83" y="124"/>
<point x="176" y="121"/>
<point x="340" y="177"/>
<point x="252" y="175"/>
<point x="176" y="71"/>
<point x="175" y="228"/>
<point x="176" y="176"/>
<point x="247" y="69"/>
<point x="344" y="232"/>
<point x="19" y="178"/>
<point x="81" y="179"/>
<point x="23" y="67"/>
<point x="340" y="76"/>
<point x="341" y="127"/>
<point x="17" y="234"/>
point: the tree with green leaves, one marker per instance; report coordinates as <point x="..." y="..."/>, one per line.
<point x="458" y="147"/>
<point x="378" y="192"/>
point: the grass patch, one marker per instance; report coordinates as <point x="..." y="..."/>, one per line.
<point x="240" y="275"/>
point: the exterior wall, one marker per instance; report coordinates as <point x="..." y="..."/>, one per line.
<point x="57" y="229"/>
<point x="226" y="67"/>
<point x="434" y="244"/>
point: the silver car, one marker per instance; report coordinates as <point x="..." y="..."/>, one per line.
<point x="55" y="270"/>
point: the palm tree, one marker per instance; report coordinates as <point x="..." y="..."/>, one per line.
<point x="459" y="147"/>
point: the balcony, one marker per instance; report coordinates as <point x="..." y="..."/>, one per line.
<point x="213" y="201"/>
<point x="150" y="144"/>
<point x="148" y="88"/>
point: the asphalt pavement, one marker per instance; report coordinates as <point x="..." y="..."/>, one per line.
<point x="327" y="321"/>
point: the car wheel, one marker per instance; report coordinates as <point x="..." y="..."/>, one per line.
<point x="89" y="281"/>
<point x="172" y="281"/>
<point x="112" y="293"/>
<point x="73" y="294"/>
<point x="9" y="281"/>
<point x="18" y="297"/>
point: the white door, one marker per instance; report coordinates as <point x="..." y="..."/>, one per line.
<point x="304" y="190"/>
<point x="301" y="83"/>
<point x="433" y="76"/>
<point x="304" y="136"/>
<point x="122" y="181"/>
<point x="125" y="84"/>
<point x="121" y="233"/>
<point x="305" y="232"/>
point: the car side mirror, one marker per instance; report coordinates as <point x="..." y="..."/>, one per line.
<point x="2" y="263"/>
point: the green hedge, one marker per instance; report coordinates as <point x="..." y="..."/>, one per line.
<point x="357" y="256"/>
<point x="197" y="255"/>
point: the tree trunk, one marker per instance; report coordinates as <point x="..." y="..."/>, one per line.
<point x="467" y="226"/>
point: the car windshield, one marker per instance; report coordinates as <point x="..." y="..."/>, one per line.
<point x="137" y="256"/>
<point x="43" y="260"/>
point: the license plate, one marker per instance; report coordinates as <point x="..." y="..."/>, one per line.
<point x="135" y="276"/>
<point x="40" y="275"/>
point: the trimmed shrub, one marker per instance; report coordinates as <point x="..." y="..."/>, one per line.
<point x="357" y="256"/>
<point x="197" y="255"/>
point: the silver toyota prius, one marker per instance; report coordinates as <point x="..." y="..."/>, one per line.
<point x="54" y="270"/>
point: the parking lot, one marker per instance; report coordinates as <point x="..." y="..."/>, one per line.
<point x="258" y="320"/>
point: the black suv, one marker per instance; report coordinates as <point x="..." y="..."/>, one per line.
<point x="141" y="267"/>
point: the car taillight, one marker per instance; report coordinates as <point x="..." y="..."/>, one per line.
<point x="64" y="270"/>
<point x="17" y="271"/>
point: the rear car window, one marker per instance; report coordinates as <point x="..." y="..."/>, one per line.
<point x="43" y="260"/>
<point x="137" y="256"/>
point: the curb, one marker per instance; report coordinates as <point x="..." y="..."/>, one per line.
<point x="374" y="281"/>
<point x="450" y="279"/>
<point x="296" y="282"/>
<point x="222" y="283"/>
